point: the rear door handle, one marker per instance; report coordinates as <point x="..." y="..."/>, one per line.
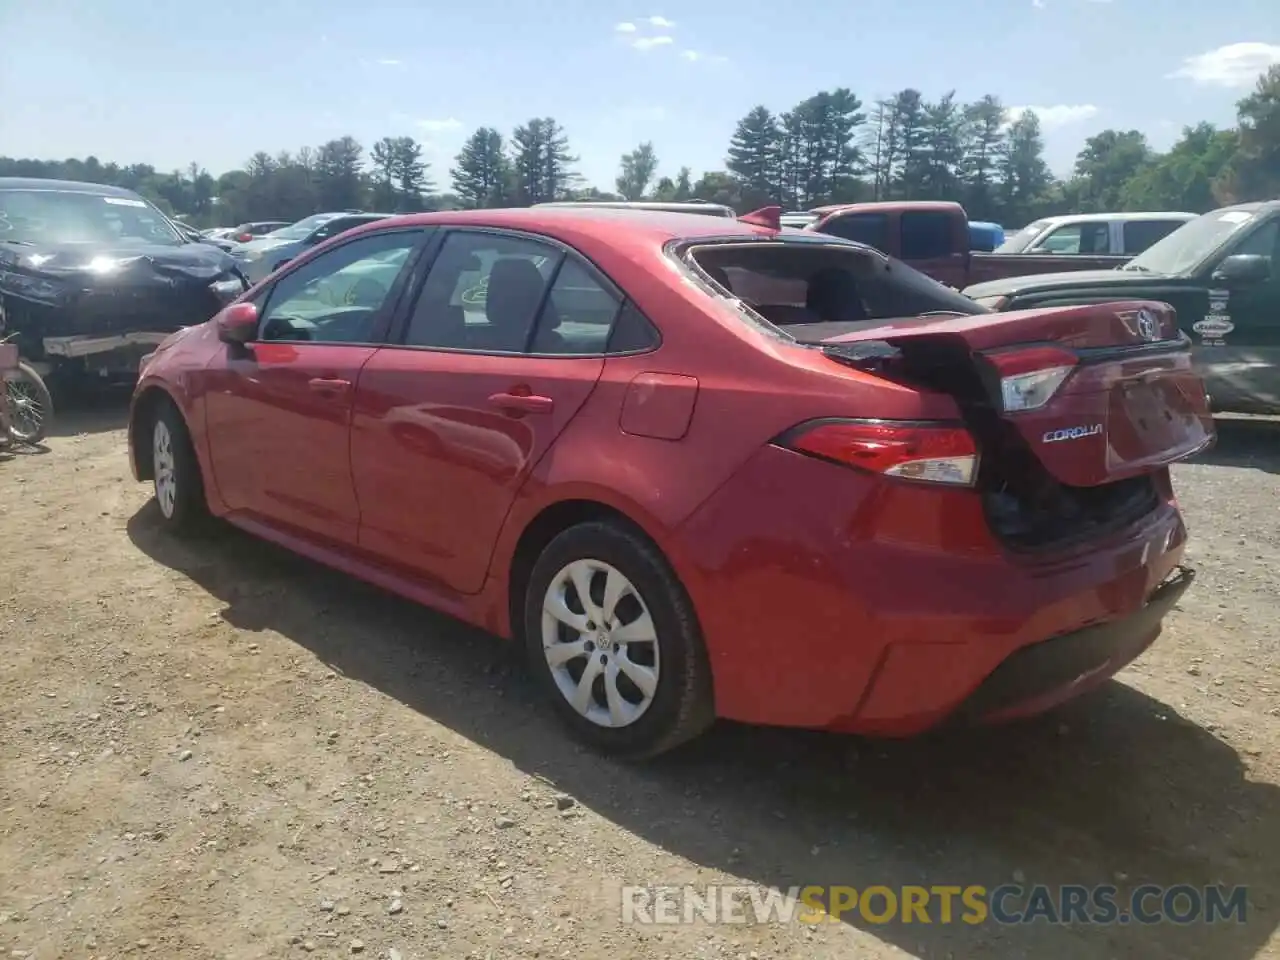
<point x="522" y="403"/>
<point x="329" y="385"/>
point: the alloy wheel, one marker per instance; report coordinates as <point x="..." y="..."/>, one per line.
<point x="600" y="643"/>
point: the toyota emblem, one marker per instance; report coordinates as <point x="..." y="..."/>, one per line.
<point x="1148" y="325"/>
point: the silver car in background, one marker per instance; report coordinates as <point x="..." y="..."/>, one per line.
<point x="262" y="257"/>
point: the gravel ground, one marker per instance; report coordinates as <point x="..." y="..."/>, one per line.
<point x="216" y="750"/>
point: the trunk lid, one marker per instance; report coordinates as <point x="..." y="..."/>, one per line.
<point x="1096" y="393"/>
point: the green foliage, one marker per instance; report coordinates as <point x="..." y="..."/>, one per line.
<point x="825" y="149"/>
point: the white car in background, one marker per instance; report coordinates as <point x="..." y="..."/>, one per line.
<point x="261" y="257"/>
<point x="1095" y="234"/>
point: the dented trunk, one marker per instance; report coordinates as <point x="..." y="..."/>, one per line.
<point x="1077" y="410"/>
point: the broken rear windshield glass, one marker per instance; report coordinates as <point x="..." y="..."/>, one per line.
<point x="791" y="282"/>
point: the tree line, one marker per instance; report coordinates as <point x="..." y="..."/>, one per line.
<point x="829" y="148"/>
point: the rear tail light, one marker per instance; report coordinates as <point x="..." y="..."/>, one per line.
<point x="931" y="453"/>
<point x="1029" y="377"/>
<point x="243" y="237"/>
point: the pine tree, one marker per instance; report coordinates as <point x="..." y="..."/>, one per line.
<point x="481" y="171"/>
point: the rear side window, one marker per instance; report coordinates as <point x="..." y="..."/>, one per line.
<point x="1140" y="234"/>
<point x="926" y="235"/>
<point x="483" y="293"/>
<point x="869" y="228"/>
<point x="632" y="332"/>
<point x="578" y="314"/>
<point x="497" y="293"/>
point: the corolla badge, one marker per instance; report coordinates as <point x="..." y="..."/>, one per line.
<point x="1072" y="433"/>
<point x="1148" y="325"/>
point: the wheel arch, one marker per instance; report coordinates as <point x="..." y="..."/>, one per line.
<point x="525" y="540"/>
<point x="143" y="409"/>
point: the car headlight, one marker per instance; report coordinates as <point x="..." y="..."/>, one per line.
<point x="33" y="288"/>
<point x="992" y="303"/>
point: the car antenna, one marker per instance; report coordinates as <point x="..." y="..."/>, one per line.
<point x="769" y="217"/>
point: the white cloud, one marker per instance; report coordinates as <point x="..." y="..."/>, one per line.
<point x="1234" y="65"/>
<point x="648" y="43"/>
<point x="625" y="27"/>
<point x="439" y="126"/>
<point x="388" y="62"/>
<point x="662" y="23"/>
<point x="1059" y="115"/>
<point x="697" y="56"/>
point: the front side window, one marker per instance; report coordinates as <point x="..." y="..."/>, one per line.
<point x="65" y="216"/>
<point x="339" y="296"/>
<point x="1019" y="242"/>
<point x="1263" y="242"/>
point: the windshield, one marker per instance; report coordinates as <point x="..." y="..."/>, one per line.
<point x="66" y="216"/>
<point x="1022" y="239"/>
<point x="1191" y="244"/>
<point x="300" y="230"/>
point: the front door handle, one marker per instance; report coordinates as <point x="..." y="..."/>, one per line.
<point x="522" y="403"/>
<point x="329" y="385"/>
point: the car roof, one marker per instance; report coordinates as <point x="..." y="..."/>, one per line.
<point x="673" y="206"/>
<point x="1143" y="215"/>
<point x="618" y="227"/>
<point x="65" y="186"/>
<point x="891" y="206"/>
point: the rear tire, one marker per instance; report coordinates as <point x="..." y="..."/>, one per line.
<point x="649" y="685"/>
<point x="177" y="482"/>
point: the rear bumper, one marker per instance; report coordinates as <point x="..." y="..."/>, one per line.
<point x="878" y="608"/>
<point x="1048" y="673"/>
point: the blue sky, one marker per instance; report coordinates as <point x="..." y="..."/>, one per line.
<point x="212" y="82"/>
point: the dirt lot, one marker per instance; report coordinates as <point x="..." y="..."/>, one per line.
<point x="218" y="750"/>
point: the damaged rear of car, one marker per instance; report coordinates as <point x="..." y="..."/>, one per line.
<point x="983" y="500"/>
<point x="93" y="277"/>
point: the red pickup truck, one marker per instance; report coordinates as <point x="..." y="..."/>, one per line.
<point x="933" y="237"/>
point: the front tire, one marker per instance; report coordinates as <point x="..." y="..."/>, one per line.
<point x="178" y="485"/>
<point x="612" y="637"/>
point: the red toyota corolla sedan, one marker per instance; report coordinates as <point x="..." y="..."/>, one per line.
<point x="700" y="467"/>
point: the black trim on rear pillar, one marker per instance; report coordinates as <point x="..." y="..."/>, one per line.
<point x="1050" y="664"/>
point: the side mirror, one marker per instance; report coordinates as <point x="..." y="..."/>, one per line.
<point x="1243" y="268"/>
<point x="238" y="323"/>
